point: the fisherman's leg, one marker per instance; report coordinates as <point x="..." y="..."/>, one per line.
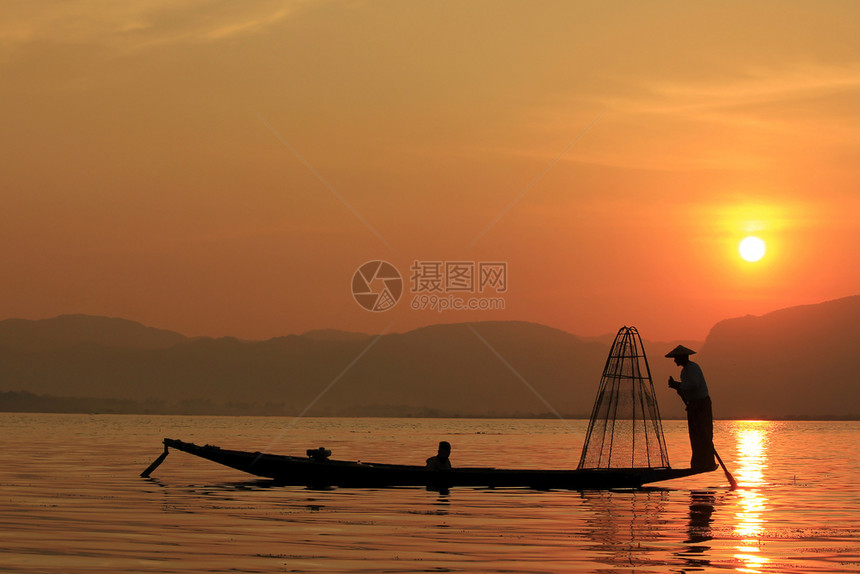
<point x="703" y="447"/>
<point x="708" y="435"/>
<point x="691" y="430"/>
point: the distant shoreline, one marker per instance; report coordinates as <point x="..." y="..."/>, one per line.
<point x="26" y="402"/>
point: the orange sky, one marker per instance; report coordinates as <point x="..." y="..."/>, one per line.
<point x="222" y="168"/>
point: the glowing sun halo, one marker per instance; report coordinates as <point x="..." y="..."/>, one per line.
<point x="752" y="248"/>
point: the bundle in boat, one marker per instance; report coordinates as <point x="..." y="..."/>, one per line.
<point x="625" y="430"/>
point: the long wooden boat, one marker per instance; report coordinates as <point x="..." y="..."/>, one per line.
<point x="313" y="472"/>
<point x="625" y="425"/>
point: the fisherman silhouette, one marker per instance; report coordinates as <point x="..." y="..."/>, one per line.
<point x="700" y="420"/>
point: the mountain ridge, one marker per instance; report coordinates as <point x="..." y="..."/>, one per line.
<point x="504" y="368"/>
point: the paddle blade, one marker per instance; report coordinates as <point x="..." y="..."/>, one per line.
<point x="732" y="482"/>
<point x="155" y="464"/>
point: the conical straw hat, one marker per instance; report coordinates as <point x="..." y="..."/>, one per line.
<point x="680" y="351"/>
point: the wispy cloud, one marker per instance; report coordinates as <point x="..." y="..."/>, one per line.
<point x="745" y="121"/>
<point x="132" y="25"/>
<point x="720" y="100"/>
<point x="247" y="26"/>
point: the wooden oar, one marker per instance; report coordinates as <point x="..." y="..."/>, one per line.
<point x="732" y="482"/>
<point x="158" y="461"/>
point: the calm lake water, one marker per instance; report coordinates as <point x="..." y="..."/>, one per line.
<point x="72" y="501"/>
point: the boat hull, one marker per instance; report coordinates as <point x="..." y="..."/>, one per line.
<point x="291" y="470"/>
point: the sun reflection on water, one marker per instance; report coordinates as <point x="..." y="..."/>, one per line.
<point x="752" y="440"/>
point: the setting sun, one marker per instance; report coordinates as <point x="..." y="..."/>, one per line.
<point x="752" y="248"/>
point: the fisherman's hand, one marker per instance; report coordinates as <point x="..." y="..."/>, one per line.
<point x="673" y="383"/>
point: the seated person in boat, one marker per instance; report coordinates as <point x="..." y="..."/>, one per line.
<point x="441" y="461"/>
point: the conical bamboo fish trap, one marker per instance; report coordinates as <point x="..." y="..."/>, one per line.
<point x="625" y="430"/>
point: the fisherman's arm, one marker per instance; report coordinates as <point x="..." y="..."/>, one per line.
<point x="691" y="381"/>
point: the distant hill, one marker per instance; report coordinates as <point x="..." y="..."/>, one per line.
<point x="452" y="370"/>
<point x="799" y="361"/>
<point x="71" y="330"/>
<point x="438" y="370"/>
<point x="794" y="362"/>
<point x="335" y="335"/>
